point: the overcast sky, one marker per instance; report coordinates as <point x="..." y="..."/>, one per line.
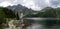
<point x="34" y="4"/>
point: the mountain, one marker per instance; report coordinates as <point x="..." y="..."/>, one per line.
<point x="21" y="8"/>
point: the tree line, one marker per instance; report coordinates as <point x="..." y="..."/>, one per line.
<point x="5" y="13"/>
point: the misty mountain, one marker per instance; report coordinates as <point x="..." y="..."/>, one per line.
<point x="21" y="8"/>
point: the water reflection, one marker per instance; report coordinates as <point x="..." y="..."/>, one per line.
<point x="43" y="23"/>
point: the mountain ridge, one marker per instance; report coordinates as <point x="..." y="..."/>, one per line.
<point x="21" y="8"/>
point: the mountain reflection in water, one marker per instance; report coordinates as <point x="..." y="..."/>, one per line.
<point x="50" y="23"/>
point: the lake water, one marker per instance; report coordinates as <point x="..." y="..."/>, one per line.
<point x="43" y="23"/>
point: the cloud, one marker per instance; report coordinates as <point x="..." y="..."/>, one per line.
<point x="34" y="4"/>
<point x="30" y="4"/>
<point x="42" y="3"/>
<point x="55" y="3"/>
<point x="1" y="1"/>
<point x="5" y="3"/>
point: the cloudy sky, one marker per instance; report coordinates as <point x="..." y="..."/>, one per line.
<point x="34" y="4"/>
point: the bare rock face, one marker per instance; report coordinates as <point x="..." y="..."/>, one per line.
<point x="20" y="8"/>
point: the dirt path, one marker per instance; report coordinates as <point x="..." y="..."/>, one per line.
<point x="11" y="25"/>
